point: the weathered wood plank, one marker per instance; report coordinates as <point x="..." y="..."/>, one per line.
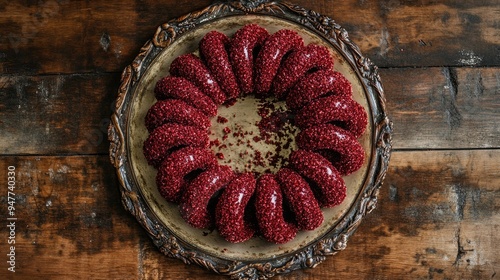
<point x="70" y="221"/>
<point x="78" y="36"/>
<point x="56" y="114"/>
<point x="437" y="217"/>
<point x="444" y="108"/>
<point x="422" y="33"/>
<point x="74" y="36"/>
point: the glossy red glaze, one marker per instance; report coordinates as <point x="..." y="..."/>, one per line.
<point x="194" y="202"/>
<point x="270" y="57"/>
<point x="168" y="136"/>
<point x="180" y="88"/>
<point x="230" y="210"/>
<point x="327" y="137"/>
<point x="171" y="177"/>
<point x="192" y="68"/>
<point x="213" y="50"/>
<point x="175" y="111"/>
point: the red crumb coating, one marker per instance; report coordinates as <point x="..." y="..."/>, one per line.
<point x="340" y="110"/>
<point x="269" y="58"/>
<point x="317" y="84"/>
<point x="312" y="57"/>
<point x="320" y="171"/>
<point x="269" y="211"/>
<point x="191" y="67"/>
<point x="301" y="198"/>
<point x="213" y="49"/>
<point x="175" y="111"/>
<point x="241" y="54"/>
<point x="180" y="88"/>
<point x="230" y="209"/>
<point x="331" y="137"/>
<point x="170" y="179"/>
<point x="163" y="138"/>
<point x="194" y="202"/>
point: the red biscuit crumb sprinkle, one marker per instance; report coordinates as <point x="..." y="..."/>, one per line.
<point x="301" y="198"/>
<point x="213" y="51"/>
<point x="175" y="111"/>
<point x="230" y="210"/>
<point x="320" y="171"/>
<point x="221" y="119"/>
<point x="219" y="155"/>
<point x="180" y="88"/>
<point x="269" y="211"/>
<point x="329" y="137"/>
<point x="193" y="69"/>
<point x="194" y="203"/>
<point x="171" y="177"/>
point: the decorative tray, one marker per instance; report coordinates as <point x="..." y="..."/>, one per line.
<point x="255" y="258"/>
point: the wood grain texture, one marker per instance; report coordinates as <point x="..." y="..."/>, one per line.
<point x="445" y="108"/>
<point x="423" y="32"/>
<point x="56" y="114"/>
<point x="81" y="37"/>
<point x="70" y="221"/>
<point x="437" y="217"/>
<point x="438" y="214"/>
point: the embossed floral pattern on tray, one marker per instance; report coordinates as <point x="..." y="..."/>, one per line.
<point x="311" y="254"/>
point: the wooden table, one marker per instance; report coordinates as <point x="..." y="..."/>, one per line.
<point x="438" y="214"/>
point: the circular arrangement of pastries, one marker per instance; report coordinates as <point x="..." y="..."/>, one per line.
<point x="241" y="205"/>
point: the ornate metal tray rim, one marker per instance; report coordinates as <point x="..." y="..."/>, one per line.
<point x="311" y="255"/>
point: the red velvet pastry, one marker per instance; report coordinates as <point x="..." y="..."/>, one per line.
<point x="340" y="110"/>
<point x="301" y="198"/>
<point x="191" y="67"/>
<point x="194" y="203"/>
<point x="175" y="111"/>
<point x="304" y="205"/>
<point x="333" y="138"/>
<point x="171" y="135"/>
<point x="213" y="50"/>
<point x="230" y="210"/>
<point x="331" y="186"/>
<point x="245" y="42"/>
<point x="317" y="84"/>
<point x="297" y="64"/>
<point x="171" y="177"/>
<point x="269" y="211"/>
<point x="270" y="57"/>
<point x="182" y="89"/>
